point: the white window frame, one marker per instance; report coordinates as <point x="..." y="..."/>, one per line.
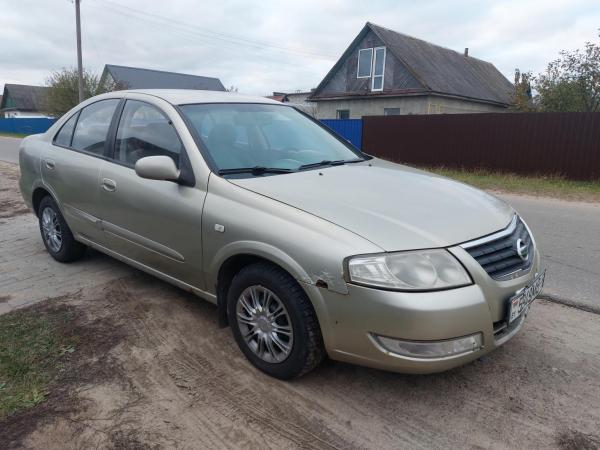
<point x="373" y="69"/>
<point x="370" y="65"/>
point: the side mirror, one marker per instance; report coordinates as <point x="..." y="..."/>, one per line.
<point x="157" y="168"/>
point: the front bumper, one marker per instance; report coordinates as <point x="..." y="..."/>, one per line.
<point x="355" y="320"/>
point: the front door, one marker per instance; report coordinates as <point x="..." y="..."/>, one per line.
<point x="71" y="167"/>
<point x="156" y="223"/>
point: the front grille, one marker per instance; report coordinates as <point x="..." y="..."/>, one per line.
<point x="498" y="253"/>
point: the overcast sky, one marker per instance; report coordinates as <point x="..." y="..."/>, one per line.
<point x="262" y="46"/>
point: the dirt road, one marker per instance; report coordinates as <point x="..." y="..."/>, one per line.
<point x="172" y="378"/>
<point x="154" y="370"/>
<point x="9" y="149"/>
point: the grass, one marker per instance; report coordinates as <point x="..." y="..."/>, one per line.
<point x="15" y="135"/>
<point x="547" y="186"/>
<point x="33" y="350"/>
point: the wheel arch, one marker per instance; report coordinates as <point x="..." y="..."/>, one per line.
<point x="36" y="197"/>
<point x="235" y="256"/>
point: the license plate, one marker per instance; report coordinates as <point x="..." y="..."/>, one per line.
<point x="519" y="303"/>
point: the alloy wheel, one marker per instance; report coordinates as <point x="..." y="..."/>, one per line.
<point x="264" y="324"/>
<point x="51" y="229"/>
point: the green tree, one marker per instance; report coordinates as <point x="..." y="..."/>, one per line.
<point x="522" y="96"/>
<point x="571" y="82"/>
<point x="63" y="92"/>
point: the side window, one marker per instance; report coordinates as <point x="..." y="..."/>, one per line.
<point x="342" y="114"/>
<point x="92" y="126"/>
<point x="145" y="131"/>
<point x="64" y="136"/>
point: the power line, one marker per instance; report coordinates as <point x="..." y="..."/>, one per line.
<point x="193" y="38"/>
<point x="210" y="34"/>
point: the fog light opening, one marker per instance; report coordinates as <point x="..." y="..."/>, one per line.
<point x="431" y="349"/>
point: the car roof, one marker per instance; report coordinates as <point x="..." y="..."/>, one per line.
<point x="188" y="96"/>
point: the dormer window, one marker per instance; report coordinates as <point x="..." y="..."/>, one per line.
<point x="378" y="69"/>
<point x="371" y="64"/>
<point x="365" y="61"/>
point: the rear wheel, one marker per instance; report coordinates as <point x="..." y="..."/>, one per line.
<point x="273" y="322"/>
<point x="56" y="234"/>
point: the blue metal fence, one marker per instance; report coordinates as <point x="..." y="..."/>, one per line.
<point x="25" y="125"/>
<point x="349" y="129"/>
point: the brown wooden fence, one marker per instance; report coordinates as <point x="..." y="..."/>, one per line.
<point x="565" y="144"/>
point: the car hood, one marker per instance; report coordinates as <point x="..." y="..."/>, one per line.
<point x="394" y="206"/>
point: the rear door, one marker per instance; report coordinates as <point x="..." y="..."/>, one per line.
<point x="156" y="223"/>
<point x="71" y="167"/>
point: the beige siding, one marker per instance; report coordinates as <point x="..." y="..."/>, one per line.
<point x="408" y="105"/>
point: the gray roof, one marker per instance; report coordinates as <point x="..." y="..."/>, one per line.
<point x="24" y="97"/>
<point x="135" y="78"/>
<point x="439" y="69"/>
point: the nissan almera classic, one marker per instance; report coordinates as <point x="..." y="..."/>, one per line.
<point x="308" y="247"/>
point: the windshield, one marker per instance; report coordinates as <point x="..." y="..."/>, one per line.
<point x="272" y="138"/>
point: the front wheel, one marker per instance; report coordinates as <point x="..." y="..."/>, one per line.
<point x="273" y="322"/>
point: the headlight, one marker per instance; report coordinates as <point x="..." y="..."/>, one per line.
<point x="421" y="270"/>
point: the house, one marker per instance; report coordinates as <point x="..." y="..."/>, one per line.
<point x="278" y="97"/>
<point x="384" y="72"/>
<point x="20" y="100"/>
<point x="298" y="99"/>
<point x="135" y="78"/>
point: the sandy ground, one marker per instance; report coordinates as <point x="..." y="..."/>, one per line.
<point x="171" y="378"/>
<point x="11" y="203"/>
<point x="153" y="370"/>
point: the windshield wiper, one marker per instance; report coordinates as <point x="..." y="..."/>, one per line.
<point x="326" y="162"/>
<point x="257" y="170"/>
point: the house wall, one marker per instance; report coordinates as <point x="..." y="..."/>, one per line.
<point x="396" y="76"/>
<point x="326" y="109"/>
<point x="298" y="98"/>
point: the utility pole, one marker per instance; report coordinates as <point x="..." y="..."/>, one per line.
<point x="79" y="62"/>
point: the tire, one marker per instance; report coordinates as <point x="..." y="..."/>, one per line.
<point x="305" y="342"/>
<point x="56" y="234"/>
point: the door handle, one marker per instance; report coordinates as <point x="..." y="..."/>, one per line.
<point x="49" y="163"/>
<point x="109" y="185"/>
